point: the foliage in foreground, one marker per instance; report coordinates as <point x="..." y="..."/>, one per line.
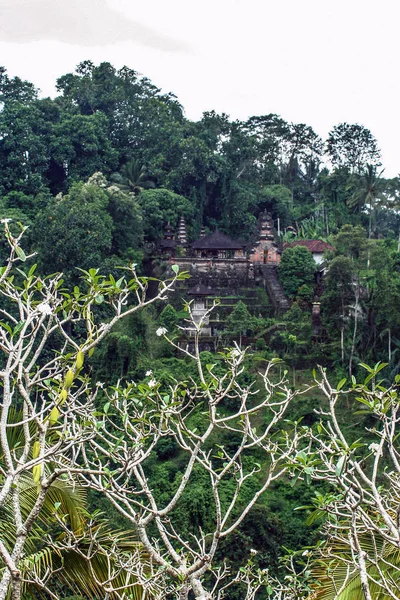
<point x="106" y="438"/>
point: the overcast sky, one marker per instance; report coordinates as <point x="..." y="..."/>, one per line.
<point x="319" y="62"/>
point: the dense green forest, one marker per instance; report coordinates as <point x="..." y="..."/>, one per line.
<point x="157" y="166"/>
<point x="94" y="175"/>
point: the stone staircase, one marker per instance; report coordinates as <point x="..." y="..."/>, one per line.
<point x="274" y="288"/>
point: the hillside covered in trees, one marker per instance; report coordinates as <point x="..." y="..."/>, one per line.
<point x="94" y="175"/>
<point x="158" y="166"/>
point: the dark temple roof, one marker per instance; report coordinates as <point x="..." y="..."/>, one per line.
<point x="216" y="241"/>
<point x="168" y="243"/>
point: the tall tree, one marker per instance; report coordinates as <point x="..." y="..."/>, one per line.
<point x="81" y="145"/>
<point x="74" y="231"/>
<point x="15" y="88"/>
<point x="370" y="191"/>
<point x="342" y="300"/>
<point x="297" y="268"/>
<point x="161" y="206"/>
<point x="352" y="146"/>
<point x="24" y="155"/>
<point x="239" y="321"/>
<point x="133" y="177"/>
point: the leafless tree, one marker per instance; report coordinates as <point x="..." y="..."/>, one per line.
<point x="138" y="417"/>
<point x="48" y="398"/>
<point x="362" y="506"/>
<point x="68" y="431"/>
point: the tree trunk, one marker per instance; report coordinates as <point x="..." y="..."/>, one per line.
<point x="361" y="556"/>
<point x="16" y="589"/>
<point x="199" y="592"/>
<point x="342" y="343"/>
<point x="327" y="221"/>
<point x="370" y="223"/>
<point x="364" y="576"/>
<point x="4" y="584"/>
<point x="353" y="343"/>
<point x="184" y="592"/>
<point x="13" y="580"/>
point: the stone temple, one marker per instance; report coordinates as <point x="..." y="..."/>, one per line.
<point x="219" y="263"/>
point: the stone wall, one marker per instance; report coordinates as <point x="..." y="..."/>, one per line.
<point x="201" y="266"/>
<point x="231" y="277"/>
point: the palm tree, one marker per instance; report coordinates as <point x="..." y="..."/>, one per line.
<point x="370" y="192"/>
<point x="339" y="578"/>
<point x="133" y="178"/>
<point x="81" y="565"/>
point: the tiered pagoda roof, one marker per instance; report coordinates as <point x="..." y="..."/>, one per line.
<point x="168" y="241"/>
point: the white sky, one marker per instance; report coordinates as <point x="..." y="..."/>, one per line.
<point x="320" y="62"/>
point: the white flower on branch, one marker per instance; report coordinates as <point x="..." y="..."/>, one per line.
<point x="152" y="383"/>
<point x="148" y="373"/>
<point x="161" y="331"/>
<point x="59" y="422"/>
<point x="374" y="447"/>
<point x="5" y="221"/>
<point x="44" y="308"/>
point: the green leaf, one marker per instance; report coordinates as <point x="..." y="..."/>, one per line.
<point x="18" y="328"/>
<point x="32" y="270"/>
<point x="340" y="466"/>
<point x="302" y="457"/>
<point x="364" y="401"/>
<point x="341" y="383"/>
<point x="316" y="515"/>
<point x="20" y="253"/>
<point x="295" y="479"/>
<point x="175" y="269"/>
<point x="366" y="367"/>
<point x="368" y="378"/>
<point x="7" y="327"/>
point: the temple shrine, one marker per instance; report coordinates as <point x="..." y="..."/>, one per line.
<point x="265" y="249"/>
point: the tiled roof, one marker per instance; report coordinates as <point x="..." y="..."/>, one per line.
<point x="168" y="243"/>
<point x="216" y="241"/>
<point x="315" y="246"/>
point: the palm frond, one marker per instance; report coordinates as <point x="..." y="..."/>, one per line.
<point x="91" y="563"/>
<point x="338" y="578"/>
<point x="83" y="559"/>
<point x="133" y="177"/>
